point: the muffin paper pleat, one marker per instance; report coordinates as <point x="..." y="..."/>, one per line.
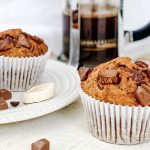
<point x="20" y="74"/>
<point x="115" y="123"/>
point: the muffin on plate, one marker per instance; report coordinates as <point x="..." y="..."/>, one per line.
<point x="116" y="98"/>
<point x="22" y="59"/>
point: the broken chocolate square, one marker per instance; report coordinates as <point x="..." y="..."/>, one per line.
<point x="142" y="96"/>
<point x="6" y="44"/>
<point x="14" y="103"/>
<point x="141" y="64"/>
<point x="84" y="72"/>
<point x="136" y="76"/>
<point x="2" y="100"/>
<point x="3" y="106"/>
<point x="23" y="41"/>
<point x="42" y="144"/>
<point x="109" y="77"/>
<point x="5" y="94"/>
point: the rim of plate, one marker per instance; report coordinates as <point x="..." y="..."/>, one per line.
<point x="66" y="97"/>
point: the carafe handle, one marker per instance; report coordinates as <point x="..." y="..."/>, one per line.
<point x="136" y="35"/>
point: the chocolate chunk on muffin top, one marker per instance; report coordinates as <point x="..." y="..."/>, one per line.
<point x="16" y="43"/>
<point x="119" y="81"/>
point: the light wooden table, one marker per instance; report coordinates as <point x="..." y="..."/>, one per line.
<point x="66" y="129"/>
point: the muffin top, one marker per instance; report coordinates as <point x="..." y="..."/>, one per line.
<point x="16" y="43"/>
<point x="119" y="81"/>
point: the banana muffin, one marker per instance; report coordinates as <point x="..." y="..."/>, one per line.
<point x="16" y="43"/>
<point x="119" y="81"/>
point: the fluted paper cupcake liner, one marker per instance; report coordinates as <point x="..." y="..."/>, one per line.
<point x="115" y="123"/>
<point x="20" y="74"/>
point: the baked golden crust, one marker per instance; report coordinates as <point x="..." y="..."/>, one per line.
<point x="16" y="43"/>
<point x="117" y="82"/>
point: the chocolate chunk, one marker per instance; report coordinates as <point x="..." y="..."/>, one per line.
<point x="142" y="96"/>
<point x="141" y="64"/>
<point x="110" y="73"/>
<point x="23" y="41"/>
<point x="3" y="106"/>
<point x="14" y="103"/>
<point x="5" y="94"/>
<point x="148" y="73"/>
<point x="84" y="72"/>
<point x="6" y="44"/>
<point x="136" y="76"/>
<point x="100" y="86"/>
<point x="146" y="87"/>
<point x="18" y="45"/>
<point x="37" y="39"/>
<point x="42" y="144"/>
<point x="109" y="77"/>
<point x="2" y="100"/>
<point x="141" y="82"/>
<point x="108" y="80"/>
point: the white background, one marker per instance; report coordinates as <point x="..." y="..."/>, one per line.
<point x="44" y="18"/>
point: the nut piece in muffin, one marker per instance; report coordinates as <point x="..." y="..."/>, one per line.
<point x="119" y="81"/>
<point x="16" y="43"/>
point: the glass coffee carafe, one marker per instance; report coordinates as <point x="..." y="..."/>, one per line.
<point x="96" y="31"/>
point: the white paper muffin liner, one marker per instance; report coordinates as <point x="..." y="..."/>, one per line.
<point x="115" y="123"/>
<point x="20" y="74"/>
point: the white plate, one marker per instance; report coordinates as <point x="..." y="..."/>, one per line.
<point x="66" y="91"/>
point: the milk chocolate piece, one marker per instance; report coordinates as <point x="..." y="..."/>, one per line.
<point x="3" y="106"/>
<point x="108" y="80"/>
<point x="2" y="100"/>
<point x="84" y="72"/>
<point x="109" y="77"/>
<point x="42" y="144"/>
<point x="142" y="96"/>
<point x="148" y="73"/>
<point x="23" y="41"/>
<point x="141" y="64"/>
<point x="100" y="86"/>
<point x="136" y="76"/>
<point x="6" y="44"/>
<point x="5" y="94"/>
<point x="37" y="39"/>
<point x="14" y="103"/>
<point x="146" y="87"/>
<point x="110" y="73"/>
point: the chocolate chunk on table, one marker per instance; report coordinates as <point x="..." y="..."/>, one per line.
<point x="2" y="100"/>
<point x="6" y="94"/>
<point x="42" y="144"/>
<point x="14" y="103"/>
<point x="3" y="106"/>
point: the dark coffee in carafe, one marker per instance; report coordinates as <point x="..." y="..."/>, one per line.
<point x="98" y="34"/>
<point x="66" y="33"/>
